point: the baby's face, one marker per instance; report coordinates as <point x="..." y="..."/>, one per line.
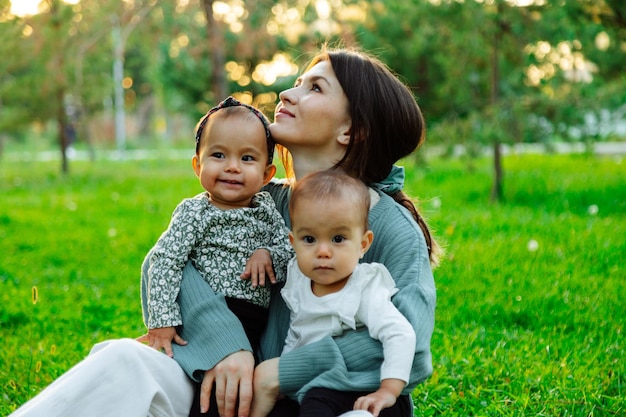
<point x="329" y="238"/>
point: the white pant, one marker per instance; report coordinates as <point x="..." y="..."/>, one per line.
<point x="119" y="378"/>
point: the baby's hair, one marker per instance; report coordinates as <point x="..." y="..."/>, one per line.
<point x="330" y="185"/>
<point x="228" y="104"/>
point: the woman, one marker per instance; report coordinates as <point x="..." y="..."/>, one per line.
<point x="346" y="110"/>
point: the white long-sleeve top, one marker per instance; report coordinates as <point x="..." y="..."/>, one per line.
<point x="364" y="301"/>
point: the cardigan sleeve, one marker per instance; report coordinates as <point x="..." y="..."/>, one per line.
<point x="210" y="328"/>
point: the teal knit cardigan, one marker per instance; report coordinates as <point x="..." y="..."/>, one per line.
<point x="350" y="362"/>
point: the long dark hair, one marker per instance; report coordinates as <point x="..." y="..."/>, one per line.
<point x="387" y="124"/>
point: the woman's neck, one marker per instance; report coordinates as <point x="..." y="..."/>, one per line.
<point x="307" y="164"/>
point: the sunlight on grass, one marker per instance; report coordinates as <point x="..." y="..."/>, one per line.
<point x="529" y="314"/>
<point x="529" y="298"/>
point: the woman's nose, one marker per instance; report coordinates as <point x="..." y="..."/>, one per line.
<point x="287" y="96"/>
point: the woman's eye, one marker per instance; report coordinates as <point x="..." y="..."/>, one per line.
<point x="338" y="239"/>
<point x="309" y="239"/>
<point x="316" y="87"/>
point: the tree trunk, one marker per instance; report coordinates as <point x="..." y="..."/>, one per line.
<point x="2" y="137"/>
<point x="498" y="174"/>
<point x="215" y="35"/>
<point x="118" y="89"/>
<point x="60" y="80"/>
<point x="496" y="190"/>
<point x="62" y="130"/>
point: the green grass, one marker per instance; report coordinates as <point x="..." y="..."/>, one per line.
<point x="518" y="332"/>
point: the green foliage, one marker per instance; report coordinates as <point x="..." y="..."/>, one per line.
<point x="469" y="61"/>
<point x="466" y="61"/>
<point x="530" y="310"/>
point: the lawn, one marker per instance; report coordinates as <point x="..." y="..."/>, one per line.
<point x="530" y="317"/>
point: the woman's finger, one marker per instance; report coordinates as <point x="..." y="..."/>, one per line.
<point x="205" y="392"/>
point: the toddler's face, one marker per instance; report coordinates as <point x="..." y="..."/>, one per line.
<point x="232" y="161"/>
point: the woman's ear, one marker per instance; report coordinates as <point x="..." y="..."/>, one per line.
<point x="344" y="138"/>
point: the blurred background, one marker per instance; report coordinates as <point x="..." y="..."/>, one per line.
<point x="530" y="291"/>
<point x="90" y="75"/>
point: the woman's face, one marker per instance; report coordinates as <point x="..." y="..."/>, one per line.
<point x="313" y="115"/>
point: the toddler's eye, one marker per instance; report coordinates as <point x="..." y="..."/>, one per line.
<point x="217" y="155"/>
<point x="308" y="239"/>
<point x="247" y="158"/>
<point x="338" y="239"/>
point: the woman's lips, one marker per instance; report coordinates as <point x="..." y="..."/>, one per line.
<point x="284" y="112"/>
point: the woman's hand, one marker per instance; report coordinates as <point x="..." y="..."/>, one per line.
<point x="233" y="383"/>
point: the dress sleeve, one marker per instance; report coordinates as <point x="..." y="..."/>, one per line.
<point x="279" y="246"/>
<point x="165" y="265"/>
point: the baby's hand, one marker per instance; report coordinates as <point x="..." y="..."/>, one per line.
<point x="258" y="267"/>
<point x="375" y="401"/>
<point x="266" y="388"/>
<point x="162" y="338"/>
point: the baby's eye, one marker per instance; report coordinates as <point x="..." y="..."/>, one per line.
<point x="217" y="155"/>
<point x="308" y="239"/>
<point x="338" y="239"/>
<point x="247" y="158"/>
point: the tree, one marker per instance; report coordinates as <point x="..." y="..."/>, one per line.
<point x="15" y="100"/>
<point x="46" y="36"/>
<point x="215" y="36"/>
<point x="49" y="73"/>
<point x="481" y="63"/>
<point x="124" y="22"/>
<point x="490" y="69"/>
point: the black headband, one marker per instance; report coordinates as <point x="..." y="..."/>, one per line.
<point x="231" y="102"/>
